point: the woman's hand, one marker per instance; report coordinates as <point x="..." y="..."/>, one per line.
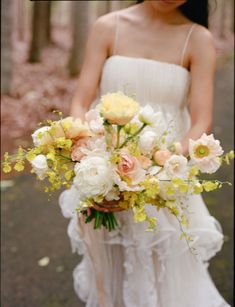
<point x="78" y="111"/>
<point x="108" y="206"/>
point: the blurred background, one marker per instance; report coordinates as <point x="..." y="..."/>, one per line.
<point x="42" y="45"/>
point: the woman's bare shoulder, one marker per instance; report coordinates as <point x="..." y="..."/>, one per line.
<point x="202" y="38"/>
<point x="106" y="24"/>
<point x="202" y="47"/>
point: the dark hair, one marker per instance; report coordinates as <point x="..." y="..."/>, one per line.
<point x="195" y="10"/>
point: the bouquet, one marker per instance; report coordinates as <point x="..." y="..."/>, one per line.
<point x="119" y="158"/>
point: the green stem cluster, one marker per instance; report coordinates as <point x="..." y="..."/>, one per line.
<point x="132" y="136"/>
<point x="106" y="219"/>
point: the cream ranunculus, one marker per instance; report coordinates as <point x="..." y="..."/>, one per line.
<point x="118" y="108"/>
<point x="39" y="164"/>
<point x="205" y="153"/>
<point x="42" y="136"/>
<point x="176" y="166"/>
<point x="93" y="176"/>
<point x="147" y="141"/>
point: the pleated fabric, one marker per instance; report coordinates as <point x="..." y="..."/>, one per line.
<point x="130" y="267"/>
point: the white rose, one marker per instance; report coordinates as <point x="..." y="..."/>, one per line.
<point x="176" y="166"/>
<point x="95" y="121"/>
<point x="113" y="195"/>
<point x="148" y="116"/>
<point x="93" y="176"/>
<point x="42" y="137"/>
<point x="39" y="164"/>
<point x="147" y="141"/>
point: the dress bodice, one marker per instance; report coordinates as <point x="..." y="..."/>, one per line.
<point x="156" y="83"/>
<point x="162" y="85"/>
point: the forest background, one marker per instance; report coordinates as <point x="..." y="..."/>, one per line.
<point x="42" y="47"/>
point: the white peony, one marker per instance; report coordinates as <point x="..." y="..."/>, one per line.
<point x="147" y="141"/>
<point x="93" y="176"/>
<point x="42" y="137"/>
<point x="176" y="166"/>
<point x="148" y="116"/>
<point x="114" y="194"/>
<point x="205" y="152"/>
<point x="40" y="166"/>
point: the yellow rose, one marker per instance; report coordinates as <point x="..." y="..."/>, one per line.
<point x="118" y="108"/>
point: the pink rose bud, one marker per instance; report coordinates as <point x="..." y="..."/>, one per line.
<point x="161" y="156"/>
<point x="77" y="154"/>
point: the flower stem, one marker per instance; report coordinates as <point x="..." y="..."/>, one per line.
<point x="118" y="135"/>
<point x="132" y="136"/>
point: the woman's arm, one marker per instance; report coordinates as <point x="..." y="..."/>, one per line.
<point x="202" y="57"/>
<point x="97" y="50"/>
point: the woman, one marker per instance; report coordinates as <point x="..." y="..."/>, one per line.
<point x="162" y="52"/>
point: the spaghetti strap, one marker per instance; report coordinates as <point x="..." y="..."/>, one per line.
<point x="186" y="43"/>
<point x="116" y="35"/>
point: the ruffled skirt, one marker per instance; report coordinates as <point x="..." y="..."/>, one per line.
<point x="130" y="267"/>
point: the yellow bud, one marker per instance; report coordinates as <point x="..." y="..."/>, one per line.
<point x="193" y="172"/>
<point x="210" y="186"/>
<point x="184" y="188"/>
<point x="7" y="168"/>
<point x="197" y="188"/>
<point x="19" y="166"/>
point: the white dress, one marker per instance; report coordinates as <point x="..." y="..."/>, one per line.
<point x="130" y="267"/>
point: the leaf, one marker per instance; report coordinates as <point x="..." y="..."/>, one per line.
<point x="68" y="175"/>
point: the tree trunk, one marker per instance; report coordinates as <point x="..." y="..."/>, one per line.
<point x="6" y="45"/>
<point x="222" y="19"/>
<point x="48" y="22"/>
<point x="80" y="28"/>
<point x="232" y="16"/>
<point x="20" y="19"/>
<point x="103" y="7"/>
<point x="40" y="29"/>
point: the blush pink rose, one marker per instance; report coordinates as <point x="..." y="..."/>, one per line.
<point x="130" y="167"/>
<point x="77" y="153"/>
<point x="161" y="156"/>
